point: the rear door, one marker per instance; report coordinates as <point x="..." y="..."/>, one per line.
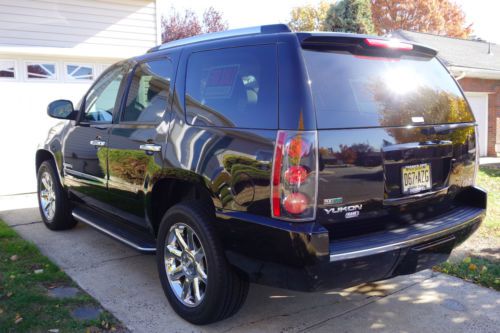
<point x="395" y="134"/>
<point x="138" y="138"/>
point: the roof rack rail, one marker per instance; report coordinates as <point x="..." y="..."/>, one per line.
<point x="262" y="29"/>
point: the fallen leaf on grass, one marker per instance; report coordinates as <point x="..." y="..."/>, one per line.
<point x="18" y="319"/>
<point x="14" y="257"/>
<point x="472" y="267"/>
<point x="105" y="324"/>
<point x="54" y="330"/>
<point x="10" y="293"/>
<point x="1" y="310"/>
<point x="38" y="271"/>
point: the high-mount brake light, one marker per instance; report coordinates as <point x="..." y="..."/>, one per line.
<point x="388" y="44"/>
<point x="294" y="180"/>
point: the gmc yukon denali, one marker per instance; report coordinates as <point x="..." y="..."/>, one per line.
<point x="306" y="161"/>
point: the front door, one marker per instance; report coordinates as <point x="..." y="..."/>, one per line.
<point x="138" y="138"/>
<point x="85" y="144"/>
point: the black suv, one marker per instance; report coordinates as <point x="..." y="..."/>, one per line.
<point x="300" y="160"/>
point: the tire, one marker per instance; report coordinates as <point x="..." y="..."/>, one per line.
<point x="53" y="201"/>
<point x="225" y="289"/>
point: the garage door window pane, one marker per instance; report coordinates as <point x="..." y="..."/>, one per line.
<point x="7" y="69"/>
<point x="79" y="72"/>
<point x="41" y="71"/>
<point x="234" y="87"/>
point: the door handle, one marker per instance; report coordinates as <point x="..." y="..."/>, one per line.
<point x="98" y="143"/>
<point x="150" y="147"/>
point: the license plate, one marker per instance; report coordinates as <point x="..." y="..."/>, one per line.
<point x="416" y="178"/>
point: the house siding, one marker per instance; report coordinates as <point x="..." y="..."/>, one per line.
<point x="492" y="87"/>
<point x="87" y="24"/>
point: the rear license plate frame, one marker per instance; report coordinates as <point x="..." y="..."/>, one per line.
<point x="414" y="188"/>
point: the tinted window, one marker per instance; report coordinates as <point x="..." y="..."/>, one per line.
<point x="359" y="91"/>
<point x="148" y="96"/>
<point x="233" y="87"/>
<point x="101" y="99"/>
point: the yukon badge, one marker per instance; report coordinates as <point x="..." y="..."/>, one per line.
<point x="351" y="211"/>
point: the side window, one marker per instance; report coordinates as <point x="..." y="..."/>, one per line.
<point x="148" y="95"/>
<point x="101" y="99"/>
<point x="235" y="87"/>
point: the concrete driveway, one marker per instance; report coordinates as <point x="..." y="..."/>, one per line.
<point x="126" y="284"/>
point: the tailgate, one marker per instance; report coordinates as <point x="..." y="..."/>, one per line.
<point x="361" y="180"/>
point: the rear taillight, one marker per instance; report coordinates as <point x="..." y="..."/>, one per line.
<point x="295" y="176"/>
<point x="388" y="44"/>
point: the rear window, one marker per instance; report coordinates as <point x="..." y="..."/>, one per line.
<point x="234" y="87"/>
<point x="359" y="91"/>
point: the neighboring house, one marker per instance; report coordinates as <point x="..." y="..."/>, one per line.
<point x="55" y="49"/>
<point x="476" y="66"/>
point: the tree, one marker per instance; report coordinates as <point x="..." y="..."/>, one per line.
<point x="309" y="17"/>
<point x="350" y="16"/>
<point x="441" y="17"/>
<point x="187" y="24"/>
<point x="213" y="21"/>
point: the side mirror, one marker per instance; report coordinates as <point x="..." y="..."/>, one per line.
<point x="61" y="109"/>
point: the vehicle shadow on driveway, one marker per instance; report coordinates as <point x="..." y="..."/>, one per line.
<point x="126" y="283"/>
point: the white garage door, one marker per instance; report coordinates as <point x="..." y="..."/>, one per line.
<point x="27" y="86"/>
<point x="479" y="105"/>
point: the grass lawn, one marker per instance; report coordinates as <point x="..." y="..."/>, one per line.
<point x="489" y="179"/>
<point x="26" y="276"/>
<point x="475" y="268"/>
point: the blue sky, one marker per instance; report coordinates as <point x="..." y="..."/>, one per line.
<point x="482" y="13"/>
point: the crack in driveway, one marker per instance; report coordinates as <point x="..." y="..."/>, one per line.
<point x="23" y="224"/>
<point x="100" y="263"/>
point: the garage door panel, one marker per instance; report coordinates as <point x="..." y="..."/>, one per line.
<point x="479" y="104"/>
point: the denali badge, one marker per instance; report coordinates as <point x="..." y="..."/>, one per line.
<point x="345" y="209"/>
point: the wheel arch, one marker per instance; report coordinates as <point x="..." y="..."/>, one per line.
<point x="43" y="155"/>
<point x="169" y="191"/>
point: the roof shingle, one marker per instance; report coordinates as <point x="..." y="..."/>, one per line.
<point x="456" y="51"/>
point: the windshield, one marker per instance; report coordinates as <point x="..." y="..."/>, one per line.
<point x="360" y="91"/>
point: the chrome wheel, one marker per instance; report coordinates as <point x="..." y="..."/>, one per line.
<point x="186" y="265"/>
<point x="47" y="196"/>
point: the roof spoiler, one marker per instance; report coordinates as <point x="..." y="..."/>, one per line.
<point x="363" y="44"/>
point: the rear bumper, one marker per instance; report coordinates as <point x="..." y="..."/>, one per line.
<point x="298" y="259"/>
